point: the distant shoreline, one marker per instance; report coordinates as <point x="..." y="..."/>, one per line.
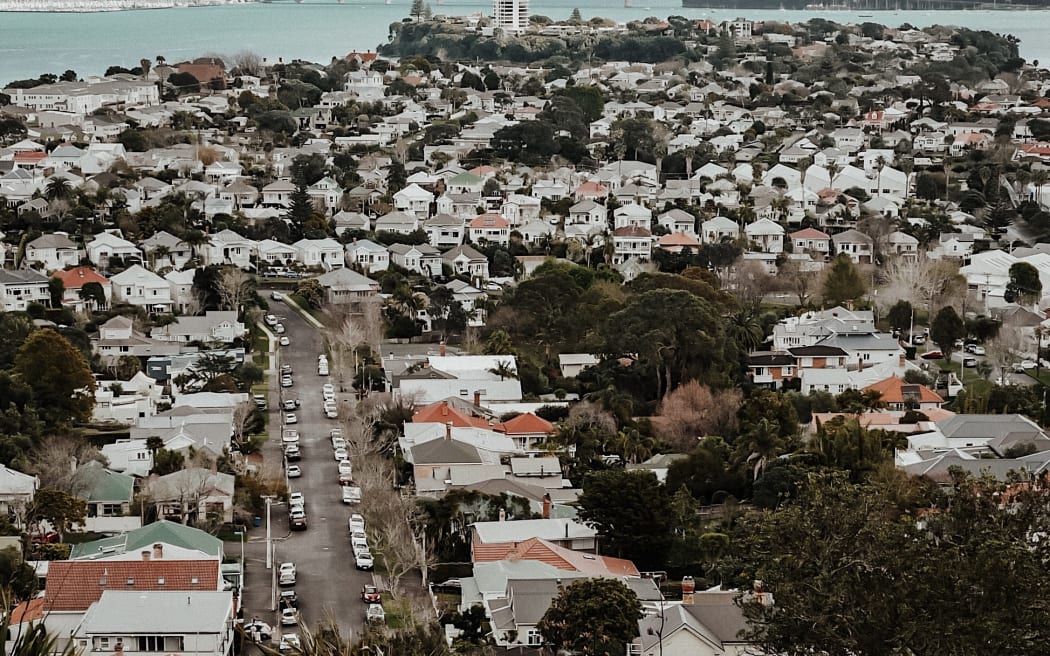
<point x="106" y="6"/>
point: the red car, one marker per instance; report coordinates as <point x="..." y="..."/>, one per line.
<point x="932" y="355"/>
<point x="370" y="594"/>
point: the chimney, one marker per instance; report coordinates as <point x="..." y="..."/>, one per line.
<point x="547" y="508"/>
<point x="442" y="351"/>
<point x="118" y="648"/>
<point x="502" y="515"/>
<point x="860" y="363"/>
<point x="448" y="431"/>
<point x="444" y="408"/>
<point x="145" y="554"/>
<point x="158" y="551"/>
<point x="477" y="398"/>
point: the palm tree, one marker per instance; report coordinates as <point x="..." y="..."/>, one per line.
<point x="744" y="327"/>
<point x="833" y="170"/>
<point x="58" y="189"/>
<point x="504" y="370"/>
<point x="1039" y="179"/>
<point x="762" y="442"/>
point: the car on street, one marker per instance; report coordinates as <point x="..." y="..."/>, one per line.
<point x="292" y="452"/>
<point x="290" y="436"/>
<point x="286" y="381"/>
<point x="285" y="341"/>
<point x="328" y="389"/>
<point x="359" y="545"/>
<point x="341" y="454"/>
<point x="290" y="418"/>
<point x="978" y="350"/>
<point x="356" y="523"/>
<point x="363" y="561"/>
<point x="289" y="599"/>
<point x="270" y="320"/>
<point x="279" y="329"/>
<point x="346" y="479"/>
<point x="276" y="296"/>
<point x="345" y="467"/>
<point x="351" y="494"/>
<point x="918" y="339"/>
<point x="969" y="362"/>
<point x="294" y="471"/>
<point x="338" y="443"/>
<point x="375" y="613"/>
<point x="370" y="594"/>
<point x="290" y="642"/>
<point x="260" y="401"/>
<point x="286" y="574"/>
<point x="291" y="404"/>
<point x="331" y="412"/>
<point x="286" y="369"/>
<point x="932" y="355"/>
<point x="297" y="519"/>
<point x="258" y="630"/>
<point x="289" y="617"/>
<point x="297" y="499"/>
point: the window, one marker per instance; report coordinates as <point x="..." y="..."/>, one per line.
<point x="160" y="643"/>
<point x="111" y="510"/>
<point x="535" y="638"/>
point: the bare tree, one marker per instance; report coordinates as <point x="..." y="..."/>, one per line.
<point x="55" y="461"/>
<point x="1004" y="349"/>
<point x="800" y="279"/>
<point x="242" y="413"/>
<point x="247" y="63"/>
<point x="752" y="281"/>
<point x="234" y="288"/>
<point x="693" y="411"/>
<point x="923" y="282"/>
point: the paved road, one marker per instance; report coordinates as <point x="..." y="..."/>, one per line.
<point x="328" y="584"/>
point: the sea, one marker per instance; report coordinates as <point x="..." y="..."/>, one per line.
<point x="317" y="30"/>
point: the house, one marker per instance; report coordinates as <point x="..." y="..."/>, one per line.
<point x="324" y="253"/>
<point x="489" y="227"/>
<point x="73" y="282"/>
<point x="571" y="364"/>
<point x="278" y="194"/>
<point x="811" y="240"/>
<point x="345" y="286"/>
<point x="709" y="623"/>
<point x="183" y="296"/>
<point x="164" y="250"/>
<point x="902" y="245"/>
<point x="191" y="495"/>
<point x="108" y="495"/>
<point x="527" y="430"/>
<point x="16" y="492"/>
<point x="20" y="287"/>
<point x="423" y="259"/>
<point x="678" y="221"/>
<point x="52" y="251"/>
<point x="632" y="242"/>
<point x="587" y="212"/>
<point x="228" y="247"/>
<point x="138" y="286"/>
<point x="215" y="326"/>
<point x="276" y="254"/>
<point x="444" y="231"/>
<point x="465" y="260"/>
<point x="678" y="242"/>
<point x="117" y="338"/>
<point x="367" y="255"/>
<point x="190" y="623"/>
<point x="162" y="538"/>
<point x="414" y="199"/>
<point x="106" y="246"/>
<point x="125" y="401"/>
<point x="399" y="222"/>
<point x="767" y="235"/>
<point x="718" y="229"/>
<point x="896" y="394"/>
<point x="327" y="193"/>
<point x="855" y="244"/>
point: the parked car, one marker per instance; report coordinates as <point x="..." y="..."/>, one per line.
<point x="258" y="631"/>
<point x="290" y="642"/>
<point x="363" y="561"/>
<point x="270" y="320"/>
<point x="292" y="452"/>
<point x="969" y="362"/>
<point x="331" y="412"/>
<point x="289" y="599"/>
<point x="285" y="341"/>
<point x="290" y="418"/>
<point x="294" y="471"/>
<point x="356" y="523"/>
<point x="978" y="350"/>
<point x="338" y="443"/>
<point x="375" y="613"/>
<point x="276" y="296"/>
<point x="290" y="436"/>
<point x="341" y="454"/>
<point x="286" y="381"/>
<point x="297" y="519"/>
<point x="359" y="545"/>
<point x="351" y="494"/>
<point x="345" y="467"/>
<point x="286" y="574"/>
<point x="291" y="404"/>
<point x="297" y="499"/>
<point x="370" y="594"/>
<point x="289" y="617"/>
<point x="918" y="340"/>
<point x="328" y="389"/>
<point x="279" y="329"/>
<point x="932" y="355"/>
<point x="260" y="401"/>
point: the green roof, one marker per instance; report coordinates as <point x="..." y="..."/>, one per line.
<point x="467" y="178"/>
<point x="163" y="531"/>
<point x="102" y="485"/>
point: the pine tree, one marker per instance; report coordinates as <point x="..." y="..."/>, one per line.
<point x="576" y="17"/>
<point x="300" y="210"/>
<point x="417" y="10"/>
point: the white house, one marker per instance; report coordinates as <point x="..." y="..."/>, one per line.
<point x="214" y="326"/>
<point x="632" y="242"/>
<point x="718" y="229"/>
<point x="325" y="253"/>
<point x="414" y="199"/>
<point x="106" y="245"/>
<point x="424" y="259"/>
<point x="445" y="231"/>
<point x="141" y="287"/>
<point x="855" y="244"/>
<point x="228" y="247"/>
<point x="276" y="253"/>
<point x="368" y="255"/>
<point x="52" y="251"/>
<point x="20" y="287"/>
<point x="465" y="260"/>
<point x="489" y="227"/>
<point x="766" y="234"/>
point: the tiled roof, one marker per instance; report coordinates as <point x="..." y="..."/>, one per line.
<point x="442" y="413"/>
<point x="552" y="554"/>
<point x="527" y="424"/>
<point x="891" y="390"/>
<point x="76" y="584"/>
<point x="809" y="233"/>
<point x="79" y="276"/>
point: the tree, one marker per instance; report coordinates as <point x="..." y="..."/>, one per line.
<point x="576" y="16"/>
<point x="17" y="579"/>
<point x="1024" y="286"/>
<point x="692" y="412"/>
<point x="417" y="10"/>
<point x="592" y="616"/>
<point x="947" y="327"/>
<point x="900" y="316"/>
<point x="58" y="189"/>
<point x="300" y="209"/>
<point x="58" y="375"/>
<point x="843" y="282"/>
<point x="94" y="295"/>
<point x="59" y="509"/>
<point x="631" y="511"/>
<point x="235" y="288"/>
<point x="56" y="290"/>
<point x="310" y="291"/>
<point x="853" y="571"/>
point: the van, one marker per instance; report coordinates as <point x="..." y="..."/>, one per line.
<point x="322" y="369"/>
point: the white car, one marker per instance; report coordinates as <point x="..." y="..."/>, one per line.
<point x="294" y="471"/>
<point x="345" y="467"/>
<point x="338" y="443"/>
<point x="359" y="546"/>
<point x="286" y="381"/>
<point x="276" y="296"/>
<point x="978" y="350"/>
<point x="258" y="630"/>
<point x="270" y="320"/>
<point x="285" y="341"/>
<point x="290" y="642"/>
<point x="297" y="499"/>
<point x="286" y="574"/>
<point x="356" y="523"/>
<point x="328" y="389"/>
<point x="364" y="561"/>
<point x="351" y="494"/>
<point x="375" y="613"/>
<point x="331" y="413"/>
<point x="289" y="617"/>
<point x="290" y="436"/>
<point x="279" y="329"/>
<point x="290" y="418"/>
<point x="341" y="454"/>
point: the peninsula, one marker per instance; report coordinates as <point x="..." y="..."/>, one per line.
<point x="85" y="6"/>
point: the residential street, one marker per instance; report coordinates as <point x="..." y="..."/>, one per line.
<point x="328" y="584"/>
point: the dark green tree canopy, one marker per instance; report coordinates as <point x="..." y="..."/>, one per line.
<point x="1024" y="286"/>
<point x="592" y="616"/>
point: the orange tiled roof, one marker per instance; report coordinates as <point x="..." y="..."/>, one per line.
<point x="550" y="553"/>
<point x="678" y="239"/>
<point x="29" y="611"/>
<point x="76" y="584"/>
<point x="890" y="390"/>
<point x="442" y="413"/>
<point x="489" y="220"/>
<point x="809" y="233"/>
<point x="527" y="424"/>
<point x="79" y="276"/>
<point x="592" y="188"/>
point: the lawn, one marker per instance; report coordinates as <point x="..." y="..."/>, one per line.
<point x="301" y="305"/>
<point x="397" y="612"/>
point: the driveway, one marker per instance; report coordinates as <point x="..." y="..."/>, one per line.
<point x="328" y="584"/>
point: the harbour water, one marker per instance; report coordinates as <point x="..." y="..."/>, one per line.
<point x="317" y="30"/>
